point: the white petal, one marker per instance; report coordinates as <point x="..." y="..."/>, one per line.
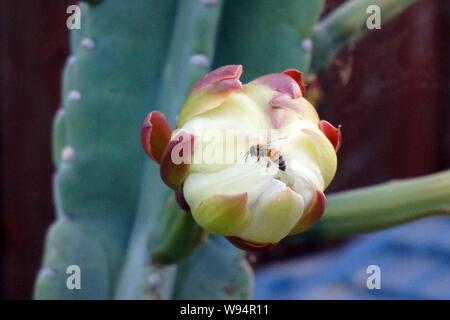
<point x="274" y="214"/>
<point x="239" y="178"/>
<point x="302" y="171"/>
<point x="306" y="179"/>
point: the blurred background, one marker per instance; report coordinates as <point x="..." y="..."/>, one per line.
<point x="390" y="93"/>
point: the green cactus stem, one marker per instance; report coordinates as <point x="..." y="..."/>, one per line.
<point x="256" y="32"/>
<point x="382" y="206"/>
<point x="179" y="235"/>
<point x="112" y="73"/>
<point x="216" y="270"/>
<point x="191" y="52"/>
<point x="144" y="276"/>
<point x="346" y="25"/>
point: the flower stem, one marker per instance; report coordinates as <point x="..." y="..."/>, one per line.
<point x="382" y="206"/>
<point x="347" y="24"/>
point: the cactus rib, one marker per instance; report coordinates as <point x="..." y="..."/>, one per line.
<point x="258" y="32"/>
<point x="191" y="51"/>
<point x="107" y="83"/>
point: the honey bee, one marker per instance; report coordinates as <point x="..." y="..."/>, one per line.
<point x="261" y="150"/>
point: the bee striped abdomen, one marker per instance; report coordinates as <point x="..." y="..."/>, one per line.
<point x="259" y="151"/>
<point x="282" y="164"/>
<point x="277" y="157"/>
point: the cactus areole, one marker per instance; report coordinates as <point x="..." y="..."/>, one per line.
<point x="250" y="162"/>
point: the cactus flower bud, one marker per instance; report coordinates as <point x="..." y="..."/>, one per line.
<point x="250" y="162"/>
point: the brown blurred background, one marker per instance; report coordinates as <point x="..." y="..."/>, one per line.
<point x="390" y="93"/>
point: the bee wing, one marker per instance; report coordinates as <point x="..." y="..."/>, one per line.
<point x="269" y="142"/>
